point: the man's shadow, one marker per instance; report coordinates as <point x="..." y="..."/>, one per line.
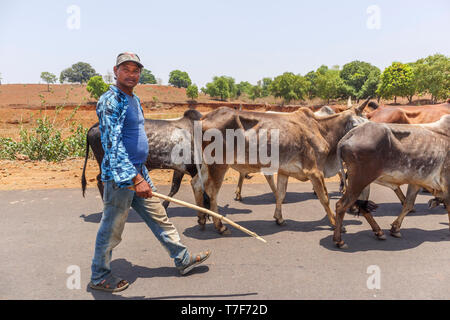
<point x="126" y="270"/>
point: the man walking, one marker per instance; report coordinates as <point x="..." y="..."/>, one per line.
<point x="126" y="180"/>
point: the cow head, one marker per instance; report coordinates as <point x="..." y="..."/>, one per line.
<point x="356" y="119"/>
<point x="359" y="110"/>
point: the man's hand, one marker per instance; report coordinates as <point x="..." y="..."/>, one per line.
<point x="142" y="189"/>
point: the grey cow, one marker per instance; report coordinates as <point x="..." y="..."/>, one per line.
<point x="392" y="155"/>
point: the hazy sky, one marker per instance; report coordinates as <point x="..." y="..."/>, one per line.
<point x="247" y="40"/>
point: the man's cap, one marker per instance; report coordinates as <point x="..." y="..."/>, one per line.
<point x="128" y="56"/>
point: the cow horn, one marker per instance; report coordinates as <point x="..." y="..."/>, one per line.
<point x="363" y="105"/>
<point x="349" y="102"/>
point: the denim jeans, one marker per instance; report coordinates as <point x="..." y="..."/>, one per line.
<point x="117" y="202"/>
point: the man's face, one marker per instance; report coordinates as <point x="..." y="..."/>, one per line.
<point x="128" y="74"/>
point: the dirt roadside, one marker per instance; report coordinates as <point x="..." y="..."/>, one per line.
<point x="35" y="175"/>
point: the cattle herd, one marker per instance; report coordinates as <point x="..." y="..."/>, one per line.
<point x="391" y="146"/>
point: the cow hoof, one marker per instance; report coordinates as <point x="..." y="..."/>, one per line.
<point x="238" y="198"/>
<point x="341" y="245"/>
<point x="381" y="236"/>
<point x="202" y="227"/>
<point x="396" y="234"/>
<point x="280" y="222"/>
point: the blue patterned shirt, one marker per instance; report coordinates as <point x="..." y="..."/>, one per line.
<point x="116" y="165"/>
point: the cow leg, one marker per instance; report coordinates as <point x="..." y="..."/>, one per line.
<point x="447" y="206"/>
<point x="356" y="187"/>
<point x="238" y="196"/>
<point x="177" y="177"/>
<point x="400" y="195"/>
<point x="280" y="193"/>
<point x="342" y="205"/>
<point x="271" y="182"/>
<point x="216" y="174"/>
<point x="411" y="195"/>
<point x="322" y="193"/>
<point x="342" y="182"/>
<point x="375" y="227"/>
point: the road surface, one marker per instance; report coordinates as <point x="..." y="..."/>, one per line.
<point x="47" y="241"/>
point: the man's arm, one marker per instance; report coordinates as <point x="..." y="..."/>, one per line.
<point x="122" y="170"/>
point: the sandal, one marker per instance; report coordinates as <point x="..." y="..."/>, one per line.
<point x="194" y="261"/>
<point x="110" y="284"/>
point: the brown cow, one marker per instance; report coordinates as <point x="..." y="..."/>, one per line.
<point x="408" y="114"/>
<point x="307" y="151"/>
<point x="323" y="111"/>
<point x="392" y="155"/>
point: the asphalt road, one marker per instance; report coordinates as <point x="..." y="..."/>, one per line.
<point x="47" y="239"/>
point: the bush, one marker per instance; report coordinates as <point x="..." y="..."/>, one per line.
<point x="76" y="142"/>
<point x="8" y="148"/>
<point x="44" y="142"/>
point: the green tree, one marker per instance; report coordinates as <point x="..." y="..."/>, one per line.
<point x="192" y="92"/>
<point x="397" y="80"/>
<point x="355" y="75"/>
<point x="79" y="72"/>
<point x="312" y="89"/>
<point x="179" y="79"/>
<point x="48" y="78"/>
<point x="222" y="87"/>
<point x="322" y="69"/>
<point x="369" y="88"/>
<point x="218" y="88"/>
<point x="432" y="75"/>
<point x="329" y="85"/>
<point x="243" y="87"/>
<point x="256" y="91"/>
<point x="96" y="87"/>
<point x="264" y="84"/>
<point x="147" y="77"/>
<point x="289" y="87"/>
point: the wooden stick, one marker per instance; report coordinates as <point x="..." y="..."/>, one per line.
<point x="212" y="213"/>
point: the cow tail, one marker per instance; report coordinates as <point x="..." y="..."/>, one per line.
<point x="83" y="176"/>
<point x="341" y="167"/>
<point x="206" y="198"/>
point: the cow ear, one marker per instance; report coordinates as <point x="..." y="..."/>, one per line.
<point x="360" y="109"/>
